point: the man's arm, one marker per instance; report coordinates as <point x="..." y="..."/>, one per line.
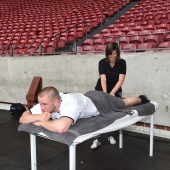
<point x="60" y="125"/>
<point x="27" y="117"/>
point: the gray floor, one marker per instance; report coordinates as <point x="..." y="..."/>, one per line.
<point x="15" y="152"/>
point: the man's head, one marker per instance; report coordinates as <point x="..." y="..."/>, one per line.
<point x="49" y="99"/>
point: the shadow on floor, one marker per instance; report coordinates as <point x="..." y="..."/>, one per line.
<point x="15" y="151"/>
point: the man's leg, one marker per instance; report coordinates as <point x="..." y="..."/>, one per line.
<point x="132" y="101"/>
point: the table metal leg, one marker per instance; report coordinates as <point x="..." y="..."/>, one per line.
<point x="33" y="152"/>
<point x="151" y="135"/>
<point x="72" y="157"/>
<point x="120" y="138"/>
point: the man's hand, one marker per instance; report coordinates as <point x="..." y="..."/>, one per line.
<point x="44" y="116"/>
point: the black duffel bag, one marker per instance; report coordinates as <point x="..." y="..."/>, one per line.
<point x="16" y="110"/>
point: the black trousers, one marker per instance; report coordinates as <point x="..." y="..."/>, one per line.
<point x="99" y="137"/>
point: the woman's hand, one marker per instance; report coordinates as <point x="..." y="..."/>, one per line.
<point x="112" y="93"/>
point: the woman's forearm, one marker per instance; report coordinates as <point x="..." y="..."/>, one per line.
<point x="103" y="82"/>
<point x="118" y="84"/>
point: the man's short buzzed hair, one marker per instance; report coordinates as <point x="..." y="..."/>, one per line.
<point x="51" y="92"/>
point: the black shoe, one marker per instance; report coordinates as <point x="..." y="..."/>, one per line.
<point x="144" y="99"/>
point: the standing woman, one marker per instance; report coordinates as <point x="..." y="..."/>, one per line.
<point x="112" y="71"/>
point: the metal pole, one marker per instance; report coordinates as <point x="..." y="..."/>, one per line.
<point x="86" y="30"/>
<point x="11" y="50"/>
<point x="101" y="21"/>
<point x="40" y="49"/>
<point x="75" y="47"/>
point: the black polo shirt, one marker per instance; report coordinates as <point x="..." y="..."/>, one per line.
<point x="112" y="74"/>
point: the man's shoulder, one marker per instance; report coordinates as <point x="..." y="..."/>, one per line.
<point x="71" y="96"/>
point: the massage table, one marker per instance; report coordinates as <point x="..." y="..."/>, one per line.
<point x="118" y="124"/>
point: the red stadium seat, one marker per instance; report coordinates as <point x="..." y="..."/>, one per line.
<point x="109" y="40"/>
<point x="144" y="24"/>
<point x="100" y="48"/>
<point x="144" y="46"/>
<point x="87" y="42"/>
<point x="105" y="31"/>
<point x="122" y="25"/>
<point x="50" y="48"/>
<point x="167" y="38"/>
<point x="136" y="40"/>
<point x="80" y="32"/>
<point x="6" y="44"/>
<point x="88" y="48"/>
<point x="16" y="50"/>
<point x="14" y="43"/>
<point x="72" y="35"/>
<point x="33" y="48"/>
<point x="115" y="30"/>
<point x="21" y="43"/>
<point x="158" y="15"/>
<point x="138" y="28"/>
<point x="28" y="45"/>
<point x="123" y="18"/>
<point x="88" y="26"/>
<point x="22" y="51"/>
<point x="163" y="18"/>
<point x="95" y="22"/>
<point x="150" y="19"/>
<point x="153" y="39"/>
<point x="99" y="41"/>
<point x="117" y="22"/>
<point x="126" y="29"/>
<point x="150" y="27"/>
<point x="44" y="44"/>
<point x="112" y="26"/>
<point x="131" y="33"/>
<point x="160" y="33"/>
<point x="129" y="20"/>
<point x="164" y="45"/>
<point x="132" y="16"/>
<point x="119" y="34"/>
<point x="96" y="36"/>
<point x="163" y="26"/>
<point x="145" y="33"/>
<point x="132" y="24"/>
<point x="107" y="35"/>
<point x="138" y="20"/>
<point x="123" y="41"/>
<point x="62" y="42"/>
<point x="129" y="47"/>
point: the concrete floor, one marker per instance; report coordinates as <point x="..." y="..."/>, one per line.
<point x="15" y="152"/>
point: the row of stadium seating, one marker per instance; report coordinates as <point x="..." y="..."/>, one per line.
<point x="131" y="47"/>
<point x="144" y="25"/>
<point x="27" y="24"/>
